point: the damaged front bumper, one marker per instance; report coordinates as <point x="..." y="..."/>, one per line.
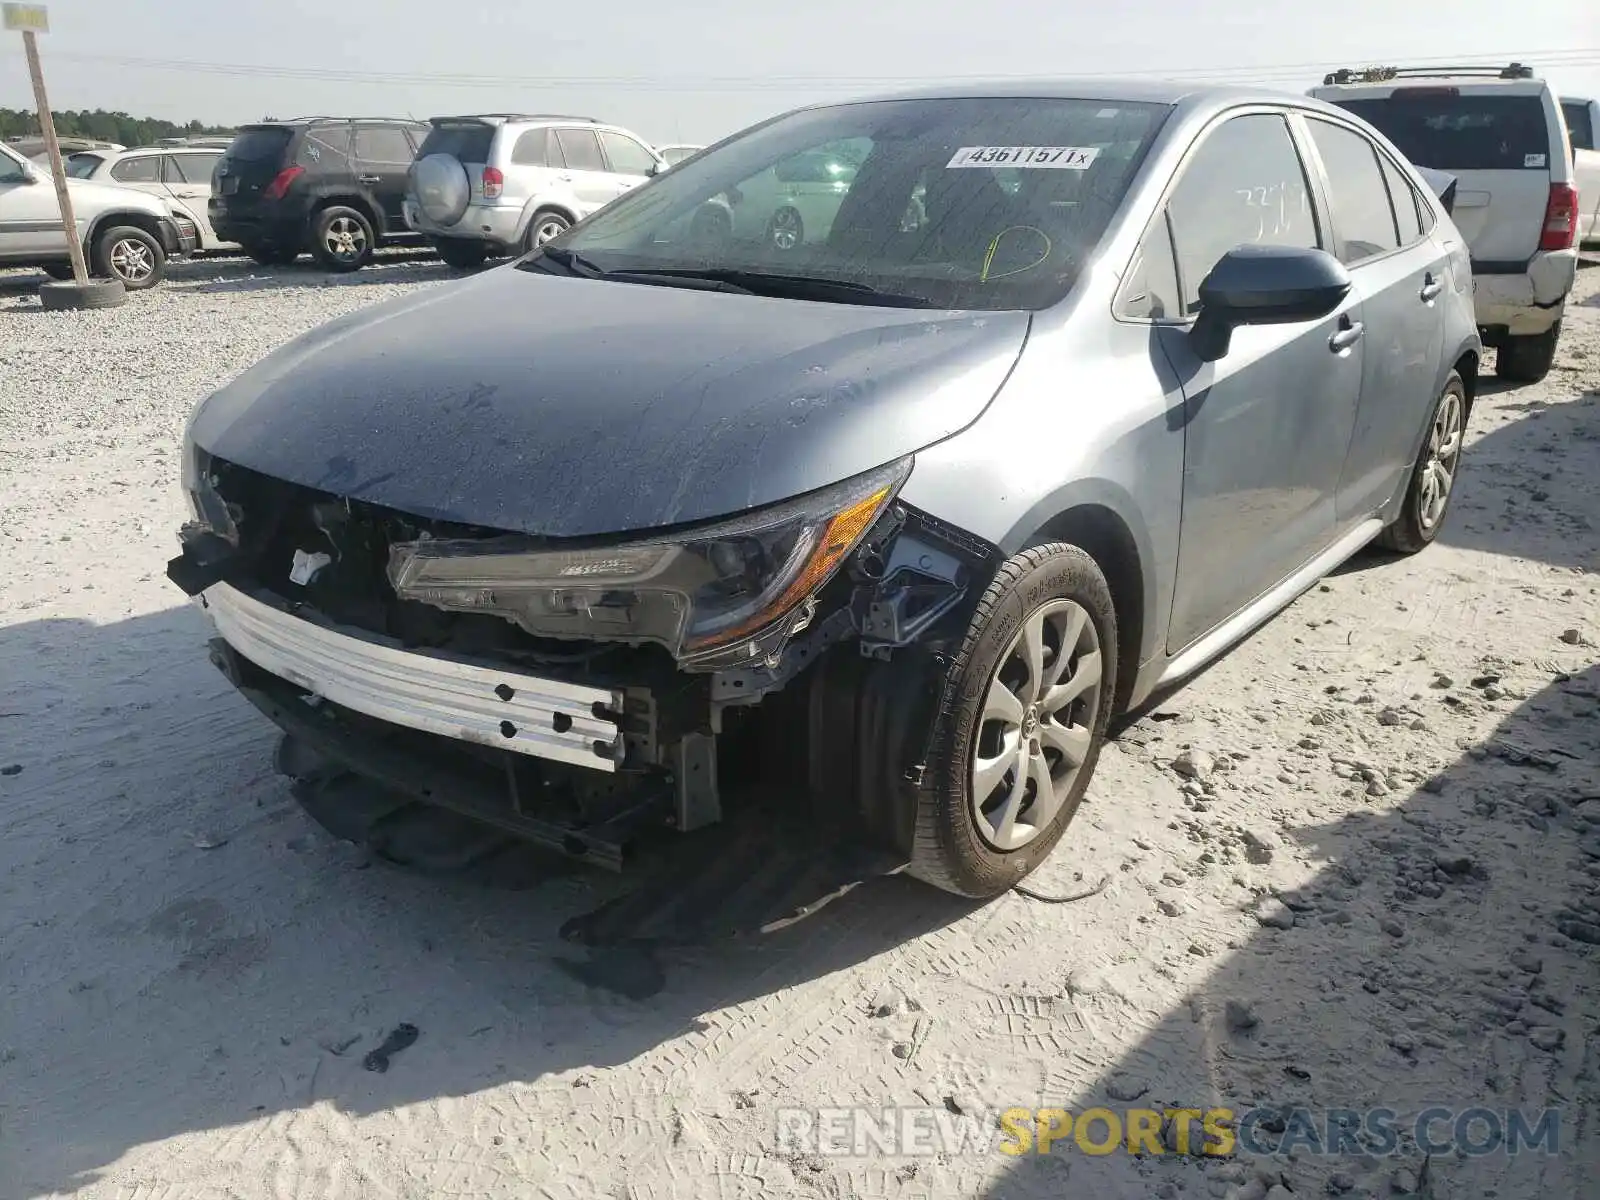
<point x="572" y="695"/>
<point x="485" y="704"/>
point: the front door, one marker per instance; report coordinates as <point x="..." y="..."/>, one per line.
<point x="584" y="172"/>
<point x="1265" y="427"/>
<point x="30" y="217"/>
<point x="383" y="156"/>
<point x="1400" y="273"/>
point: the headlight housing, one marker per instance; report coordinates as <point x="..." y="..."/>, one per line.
<point x="714" y="595"/>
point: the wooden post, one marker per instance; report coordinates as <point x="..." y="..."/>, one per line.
<point x="47" y="126"/>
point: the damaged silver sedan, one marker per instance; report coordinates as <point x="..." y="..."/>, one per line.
<point x="892" y="499"/>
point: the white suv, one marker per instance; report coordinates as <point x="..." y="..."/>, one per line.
<point x="501" y="183"/>
<point x="1583" y="127"/>
<point x="1500" y="132"/>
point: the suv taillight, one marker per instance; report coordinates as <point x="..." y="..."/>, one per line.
<point x="494" y="182"/>
<point x="1560" y="218"/>
<point x="280" y="183"/>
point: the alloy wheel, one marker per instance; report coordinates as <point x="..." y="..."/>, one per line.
<point x="1037" y="724"/>
<point x="345" y="239"/>
<point x="1444" y="454"/>
<point x="131" y="261"/>
<point x="785" y="230"/>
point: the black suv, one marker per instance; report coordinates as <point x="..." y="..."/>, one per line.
<point x="329" y="185"/>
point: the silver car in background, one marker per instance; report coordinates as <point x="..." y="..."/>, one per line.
<point x="1084" y="382"/>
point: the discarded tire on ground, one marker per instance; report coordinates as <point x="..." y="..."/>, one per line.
<point x="97" y="293"/>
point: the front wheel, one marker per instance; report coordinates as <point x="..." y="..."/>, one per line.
<point x="1528" y="359"/>
<point x="131" y="256"/>
<point x="1028" y="699"/>
<point x="342" y="239"/>
<point x="1433" y="477"/>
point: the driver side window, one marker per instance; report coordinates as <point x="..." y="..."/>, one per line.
<point x="11" y="171"/>
<point x="1245" y="185"/>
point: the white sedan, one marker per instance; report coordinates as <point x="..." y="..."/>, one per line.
<point x="179" y="175"/>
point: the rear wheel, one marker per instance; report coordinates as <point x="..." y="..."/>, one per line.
<point x="461" y="253"/>
<point x="1029" y="697"/>
<point x="1433" y="477"/>
<point x="544" y="226"/>
<point x="342" y="238"/>
<point x="130" y="255"/>
<point x="1528" y="359"/>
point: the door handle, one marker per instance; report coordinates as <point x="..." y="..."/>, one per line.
<point x="369" y="178"/>
<point x="1349" y="333"/>
<point x="1431" y="288"/>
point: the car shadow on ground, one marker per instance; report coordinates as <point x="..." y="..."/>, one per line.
<point x="1464" y="926"/>
<point x="186" y="950"/>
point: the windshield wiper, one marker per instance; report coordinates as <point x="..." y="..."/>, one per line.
<point x="571" y="260"/>
<point x="796" y="287"/>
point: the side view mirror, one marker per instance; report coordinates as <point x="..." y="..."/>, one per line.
<point x="1265" y="285"/>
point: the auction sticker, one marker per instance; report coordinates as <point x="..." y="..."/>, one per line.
<point x="1047" y="158"/>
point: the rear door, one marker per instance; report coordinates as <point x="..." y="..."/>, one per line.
<point x="1381" y="233"/>
<point x="383" y="155"/>
<point x="584" y="168"/>
<point x="187" y="176"/>
<point x="1495" y="138"/>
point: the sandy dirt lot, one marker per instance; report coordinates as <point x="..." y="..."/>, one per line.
<point x="1372" y="880"/>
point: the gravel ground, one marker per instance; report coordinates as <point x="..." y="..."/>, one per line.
<point x="1355" y="864"/>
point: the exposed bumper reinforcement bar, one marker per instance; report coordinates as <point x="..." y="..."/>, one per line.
<point x="473" y="702"/>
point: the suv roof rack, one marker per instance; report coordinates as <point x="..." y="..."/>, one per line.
<point x="353" y="120"/>
<point x="1514" y="70"/>
<point x="516" y="116"/>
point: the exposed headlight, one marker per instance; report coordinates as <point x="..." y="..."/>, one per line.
<point x="734" y="590"/>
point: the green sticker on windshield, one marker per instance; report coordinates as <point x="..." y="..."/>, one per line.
<point x="1047" y="158"/>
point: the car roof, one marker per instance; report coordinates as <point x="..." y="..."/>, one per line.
<point x="508" y="118"/>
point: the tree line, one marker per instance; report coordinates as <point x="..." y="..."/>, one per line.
<point x="102" y="126"/>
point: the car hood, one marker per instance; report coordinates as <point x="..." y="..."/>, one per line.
<point x="571" y="407"/>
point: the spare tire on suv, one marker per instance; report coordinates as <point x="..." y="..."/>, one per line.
<point x="442" y="187"/>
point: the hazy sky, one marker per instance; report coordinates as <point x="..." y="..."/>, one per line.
<point x="697" y="69"/>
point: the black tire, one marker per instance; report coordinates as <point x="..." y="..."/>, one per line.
<point x="1420" y="520"/>
<point x="272" y="256"/>
<point x="1528" y="359"/>
<point x="342" y="238"/>
<point x="461" y="253"/>
<point x="949" y="850"/>
<point x="58" y="270"/>
<point x="97" y="293"/>
<point x="131" y="255"/>
<point x="547" y="223"/>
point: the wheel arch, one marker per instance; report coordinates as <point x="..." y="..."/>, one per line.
<point x="137" y="218"/>
<point x="344" y="200"/>
<point x="1100" y="521"/>
<point x="530" y="214"/>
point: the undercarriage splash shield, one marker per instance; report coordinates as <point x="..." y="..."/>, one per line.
<point x="470" y="701"/>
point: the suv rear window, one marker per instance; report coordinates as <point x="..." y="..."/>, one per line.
<point x="257" y="145"/>
<point x="1453" y="132"/>
<point x="468" y="141"/>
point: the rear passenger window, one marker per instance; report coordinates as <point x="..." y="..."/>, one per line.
<point x="381" y="144"/>
<point x="1357" y="193"/>
<point x="530" y="149"/>
<point x="138" y="170"/>
<point x="581" y="149"/>
<point x="191" y="168"/>
<point x="326" y="145"/>
<point x="1244" y="186"/>
<point x="1405" y="203"/>
<point x="1150" y="292"/>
